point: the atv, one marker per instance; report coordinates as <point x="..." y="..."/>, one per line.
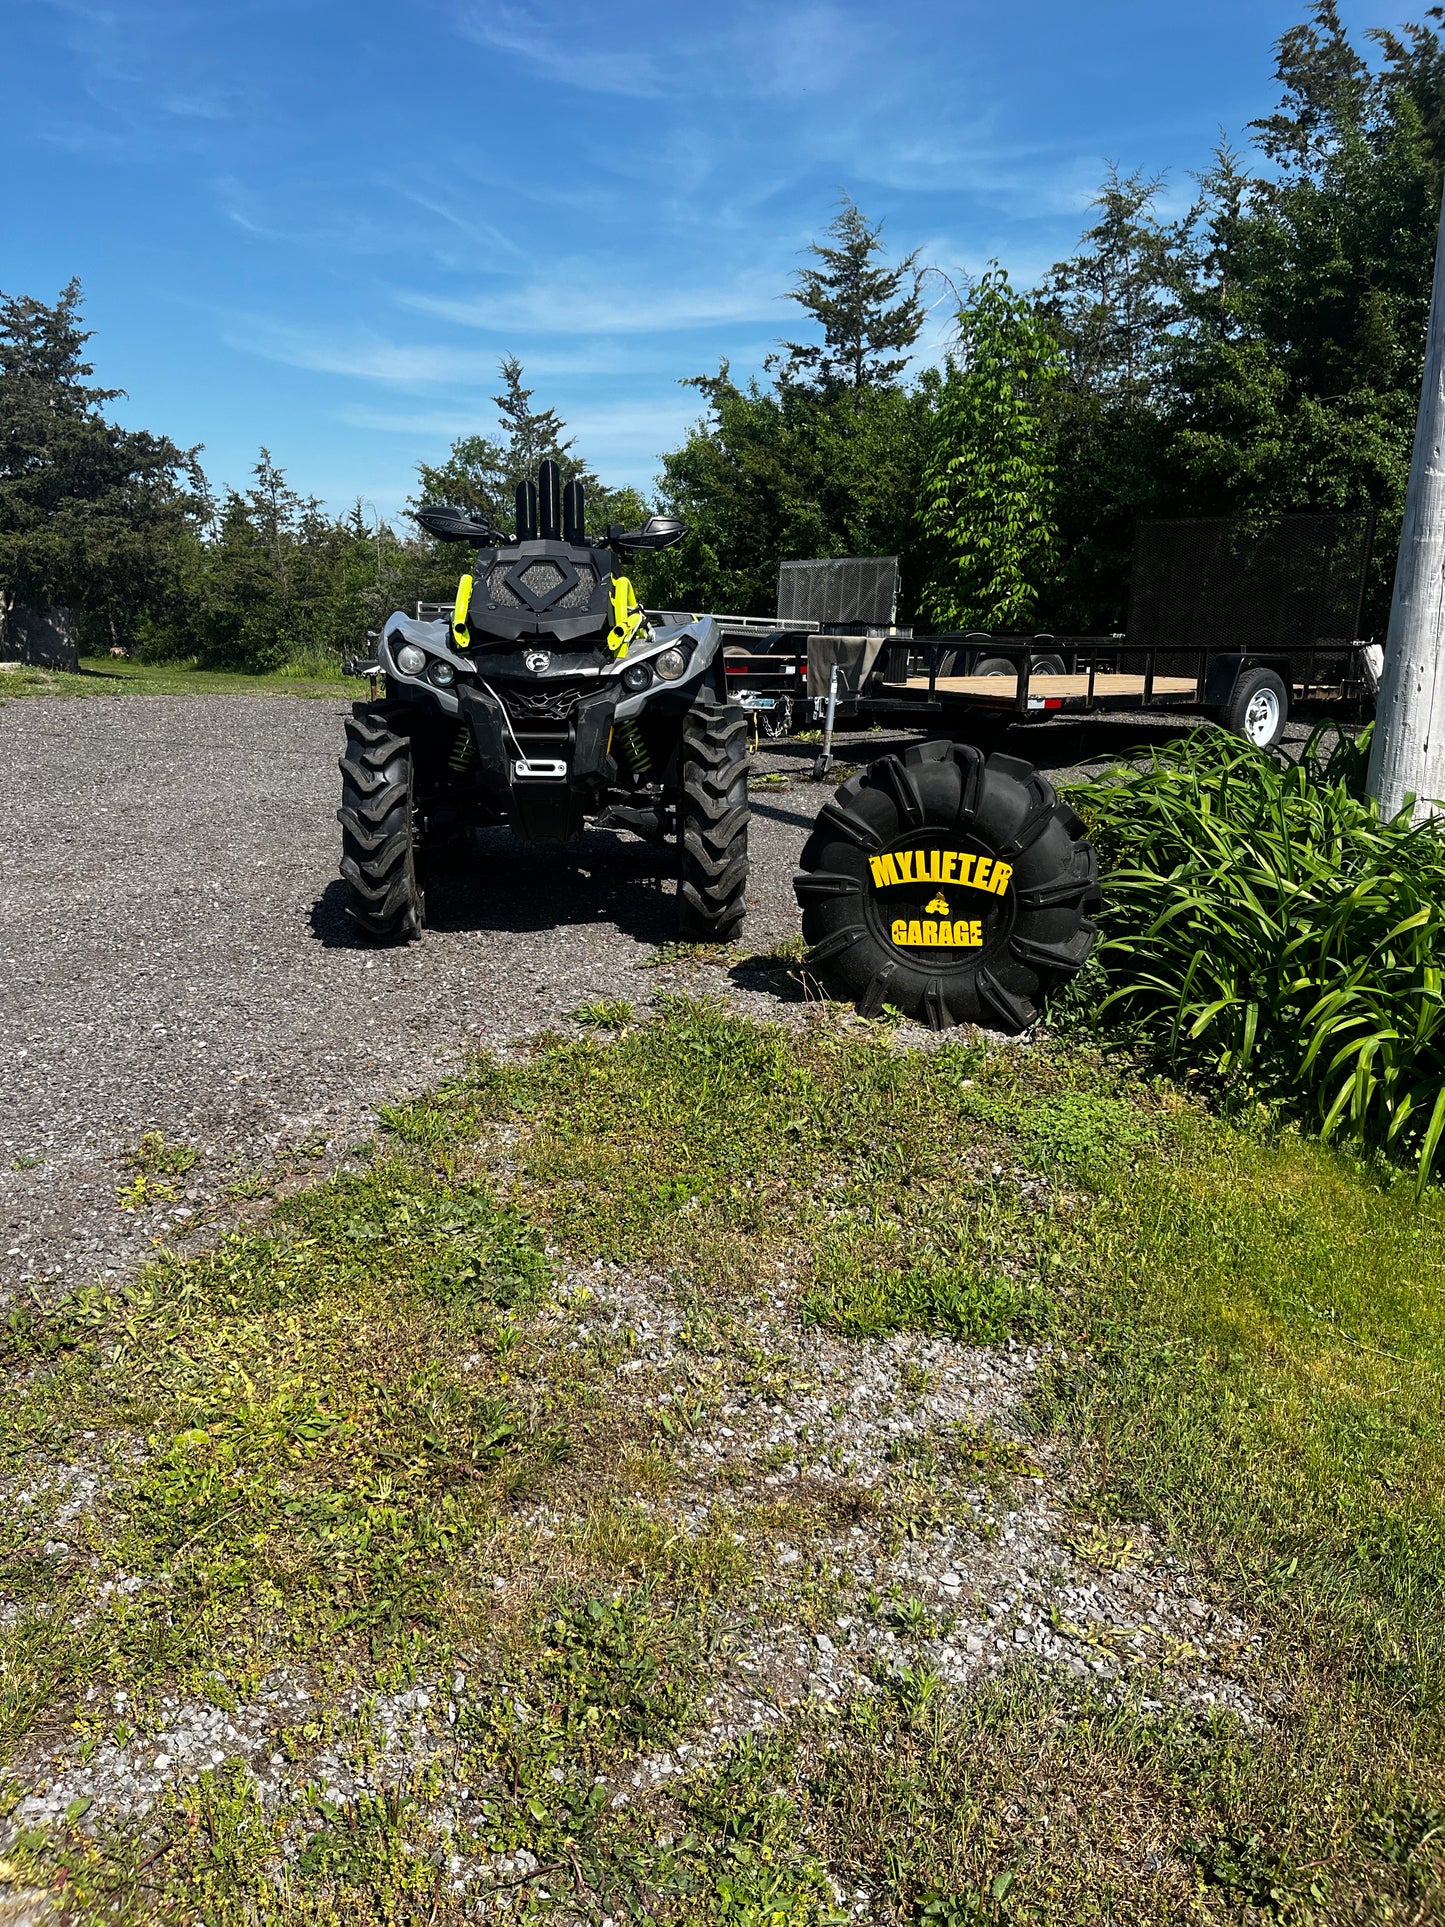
<point x="548" y="700"/>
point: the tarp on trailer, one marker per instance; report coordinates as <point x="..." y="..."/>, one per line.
<point x="854" y="655"/>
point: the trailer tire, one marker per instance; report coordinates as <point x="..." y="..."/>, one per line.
<point x="1259" y="708"/>
<point x="943" y="811"/>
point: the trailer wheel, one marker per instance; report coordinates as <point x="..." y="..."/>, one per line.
<point x="1001" y="666"/>
<point x="1258" y="709"/>
<point x="956" y="889"/>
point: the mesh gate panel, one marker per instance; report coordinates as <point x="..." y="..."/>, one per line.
<point x="861" y="589"/>
<point x="1262" y="586"/>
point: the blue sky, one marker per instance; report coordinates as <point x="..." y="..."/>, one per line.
<point x="317" y="226"/>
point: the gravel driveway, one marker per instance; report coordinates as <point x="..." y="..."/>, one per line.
<point x="176" y="956"/>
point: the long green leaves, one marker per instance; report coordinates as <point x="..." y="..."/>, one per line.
<point x="1262" y="921"/>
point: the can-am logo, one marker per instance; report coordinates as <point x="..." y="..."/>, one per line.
<point x="941" y="866"/>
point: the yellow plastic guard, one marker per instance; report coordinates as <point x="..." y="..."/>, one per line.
<point x="627" y="617"/>
<point x="461" y="634"/>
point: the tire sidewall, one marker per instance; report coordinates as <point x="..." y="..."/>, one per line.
<point x="1251" y="684"/>
<point x="1030" y="934"/>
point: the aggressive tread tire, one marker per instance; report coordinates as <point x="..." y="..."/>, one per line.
<point x="1000" y="950"/>
<point x="378" y="840"/>
<point x="712" y="822"/>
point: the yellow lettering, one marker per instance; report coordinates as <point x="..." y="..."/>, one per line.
<point x="899" y="932"/>
<point x="935" y="865"/>
<point x="915" y="935"/>
<point x="965" y="868"/>
<point x="885" y="871"/>
<point x="1001" y="874"/>
<point x="950" y="866"/>
<point x="980" y="875"/>
<point x="975" y="934"/>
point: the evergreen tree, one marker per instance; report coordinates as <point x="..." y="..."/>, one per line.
<point x="825" y="461"/>
<point x="861" y="307"/>
<point x="481" y="473"/>
<point x="93" y="517"/>
<point x="989" y="482"/>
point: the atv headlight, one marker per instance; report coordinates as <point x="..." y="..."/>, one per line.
<point x="410" y="660"/>
<point x="636" y="676"/>
<point x="671" y="664"/>
<point x="442" y="674"/>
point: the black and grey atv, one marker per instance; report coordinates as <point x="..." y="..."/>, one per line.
<point x="547" y="701"/>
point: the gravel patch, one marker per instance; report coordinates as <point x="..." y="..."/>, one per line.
<point x="175" y="956"/>
<point x="1015" y="1577"/>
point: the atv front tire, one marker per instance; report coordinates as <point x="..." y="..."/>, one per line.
<point x="712" y="822"/>
<point x="378" y="830"/>
<point x="956" y="889"/>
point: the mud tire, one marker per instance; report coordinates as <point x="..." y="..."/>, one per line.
<point x="378" y="829"/>
<point x="946" y="796"/>
<point x="712" y="822"/>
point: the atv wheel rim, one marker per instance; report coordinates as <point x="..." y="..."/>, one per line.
<point x="923" y="903"/>
<point x="1261" y="718"/>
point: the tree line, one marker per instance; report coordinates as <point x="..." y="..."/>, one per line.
<point x="1259" y="353"/>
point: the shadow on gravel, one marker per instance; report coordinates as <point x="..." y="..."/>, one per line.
<point x="787" y="979"/>
<point x="509" y="886"/>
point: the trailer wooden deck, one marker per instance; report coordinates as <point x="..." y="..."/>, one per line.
<point x="1053" y="692"/>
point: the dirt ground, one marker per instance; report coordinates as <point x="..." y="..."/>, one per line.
<point x="176" y="956"/>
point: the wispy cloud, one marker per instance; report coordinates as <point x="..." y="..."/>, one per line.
<point x="361" y="354"/>
<point x="762" y="52"/>
<point x="560" y="53"/>
<point x="581" y="298"/>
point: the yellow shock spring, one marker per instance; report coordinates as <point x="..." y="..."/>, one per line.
<point x="634" y="749"/>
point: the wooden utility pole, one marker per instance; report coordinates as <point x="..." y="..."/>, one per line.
<point x="1407" y="752"/>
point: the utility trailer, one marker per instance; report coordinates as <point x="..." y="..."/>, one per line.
<point x="1232" y="617"/>
<point x="1249" y="692"/>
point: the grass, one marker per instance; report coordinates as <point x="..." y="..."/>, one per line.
<point x="385" y="1438"/>
<point x="104" y="676"/>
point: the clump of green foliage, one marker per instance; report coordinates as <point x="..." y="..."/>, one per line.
<point x="989" y="480"/>
<point x="1263" y="923"/>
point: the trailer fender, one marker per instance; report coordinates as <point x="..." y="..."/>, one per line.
<point x="1220" y="677"/>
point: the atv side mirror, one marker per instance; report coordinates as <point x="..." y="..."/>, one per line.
<point x="657" y="532"/>
<point x="455" y="525"/>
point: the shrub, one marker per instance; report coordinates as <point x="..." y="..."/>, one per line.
<point x="1261" y="921"/>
